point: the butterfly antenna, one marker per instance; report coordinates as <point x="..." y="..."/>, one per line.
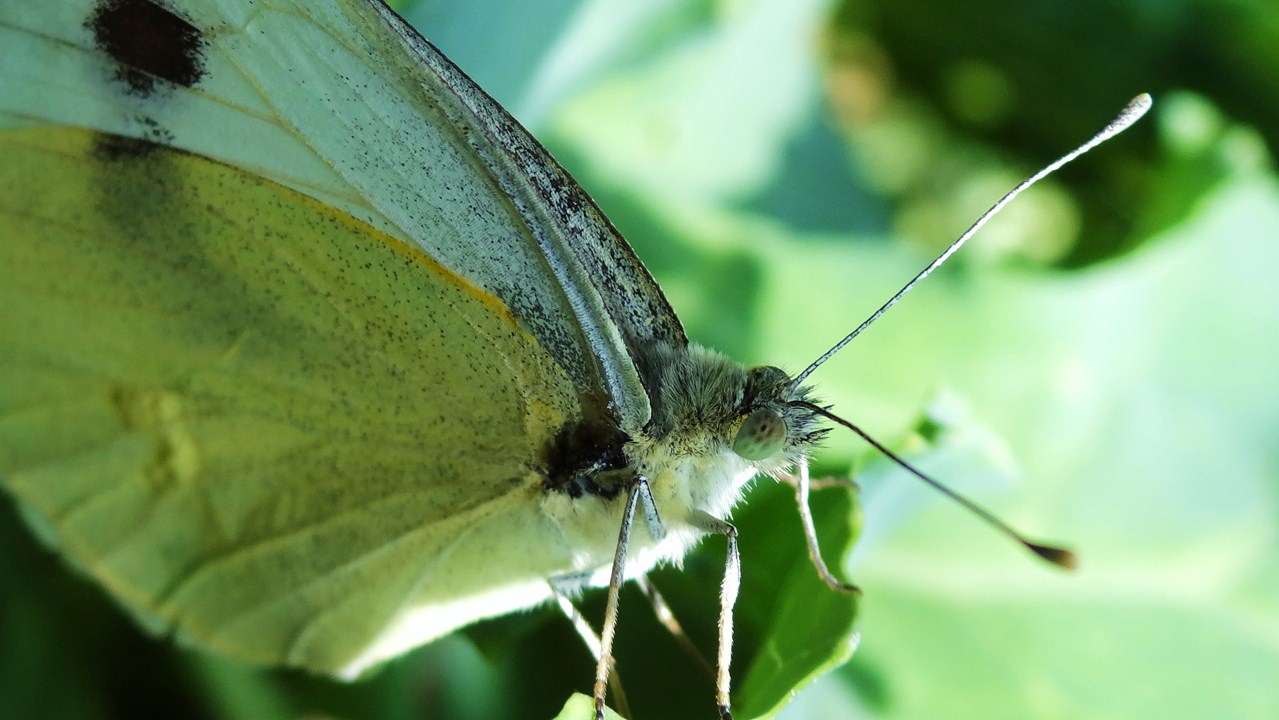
<point x="1127" y="117"/>
<point x="1059" y="556"/>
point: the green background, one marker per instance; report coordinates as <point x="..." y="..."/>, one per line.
<point x="1101" y="365"/>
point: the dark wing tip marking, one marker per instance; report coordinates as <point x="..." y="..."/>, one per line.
<point x="148" y="42"/>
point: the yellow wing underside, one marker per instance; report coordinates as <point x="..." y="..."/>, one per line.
<point x="257" y="421"/>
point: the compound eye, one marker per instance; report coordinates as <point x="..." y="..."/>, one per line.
<point x="761" y="436"/>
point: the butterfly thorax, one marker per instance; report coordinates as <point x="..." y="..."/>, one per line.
<point x="690" y="452"/>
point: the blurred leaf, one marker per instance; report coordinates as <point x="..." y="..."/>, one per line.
<point x="1137" y="443"/>
<point x="703" y="121"/>
<point x="1037" y="77"/>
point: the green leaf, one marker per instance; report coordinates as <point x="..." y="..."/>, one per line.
<point x="790" y="627"/>
<point x="806" y="628"/>
<point x="582" y="707"/>
<point x="1141" y="403"/>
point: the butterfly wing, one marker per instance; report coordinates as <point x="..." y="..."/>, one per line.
<point x="343" y="101"/>
<point x="248" y="436"/>
<point x="292" y="313"/>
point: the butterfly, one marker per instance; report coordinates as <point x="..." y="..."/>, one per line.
<point x="311" y="354"/>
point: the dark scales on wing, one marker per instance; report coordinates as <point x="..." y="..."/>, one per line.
<point x="148" y="42"/>
<point x="587" y="457"/>
<point x="111" y="148"/>
<point x="125" y="168"/>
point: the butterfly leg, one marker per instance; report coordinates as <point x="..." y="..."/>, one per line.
<point x="810" y="533"/>
<point x="564" y="588"/>
<point x="727" y="599"/>
<point x="654" y="521"/>
<point x="637" y="491"/>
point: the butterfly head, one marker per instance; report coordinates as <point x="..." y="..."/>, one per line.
<point x="705" y="404"/>
<point x="773" y="428"/>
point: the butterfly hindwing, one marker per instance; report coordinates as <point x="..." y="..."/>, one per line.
<point x="212" y="395"/>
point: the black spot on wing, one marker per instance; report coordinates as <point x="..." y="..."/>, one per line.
<point x="148" y="43"/>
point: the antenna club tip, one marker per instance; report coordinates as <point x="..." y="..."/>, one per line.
<point x="1061" y="557"/>
<point x="1131" y="113"/>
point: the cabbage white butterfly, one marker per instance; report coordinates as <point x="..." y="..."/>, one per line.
<point x="288" y="393"/>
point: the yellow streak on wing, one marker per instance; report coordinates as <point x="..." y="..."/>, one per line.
<point x="254" y="419"/>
